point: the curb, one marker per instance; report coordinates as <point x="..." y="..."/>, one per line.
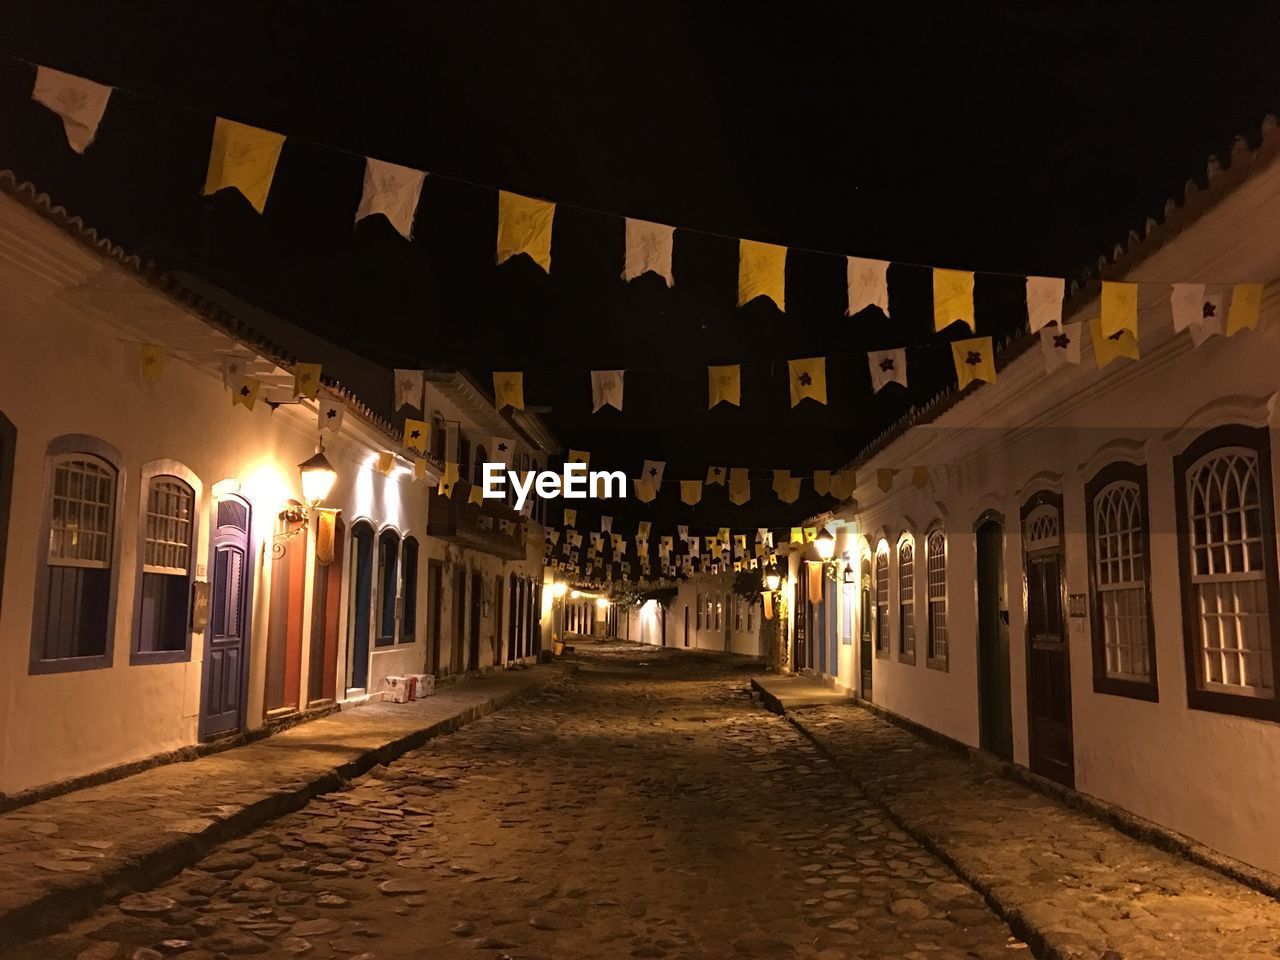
<point x="58" y="907"/>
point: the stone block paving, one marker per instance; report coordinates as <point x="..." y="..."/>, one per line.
<point x="1074" y="886"/>
<point x="643" y="808"/>
<point x="63" y="855"/>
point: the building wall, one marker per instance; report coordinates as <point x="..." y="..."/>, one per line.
<point x="645" y="621"/>
<point x="1207" y="775"/>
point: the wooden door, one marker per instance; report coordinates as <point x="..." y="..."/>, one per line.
<point x="225" y="674"/>
<point x="326" y="591"/>
<point x="457" y="658"/>
<point x="282" y="686"/>
<point x="477" y="600"/>
<point x="435" y="609"/>
<point x="830" y="591"/>
<point x="818" y="627"/>
<point x="995" y="711"/>
<point x="361" y="616"/>
<point x="1050" y="743"/>
<point x="800" y="615"/>
<point x="866" y="654"/>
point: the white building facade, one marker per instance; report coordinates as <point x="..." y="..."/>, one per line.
<point x="1086" y="582"/>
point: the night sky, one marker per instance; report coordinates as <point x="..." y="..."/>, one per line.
<point x="1026" y="143"/>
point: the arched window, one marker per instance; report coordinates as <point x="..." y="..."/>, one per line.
<point x="936" y="552"/>
<point x="167" y="562"/>
<point x="388" y="578"/>
<point x="477" y="469"/>
<point x="75" y="590"/>
<point x="906" y="600"/>
<point x="882" y="599"/>
<point x="1228" y="557"/>
<point x="1123" y="639"/>
<point x="409" y="590"/>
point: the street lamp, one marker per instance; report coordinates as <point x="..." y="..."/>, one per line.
<point x="825" y="544"/>
<point x="318" y="477"/>
<point x="772" y="579"/>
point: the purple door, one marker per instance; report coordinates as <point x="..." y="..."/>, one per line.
<point x="227" y="637"/>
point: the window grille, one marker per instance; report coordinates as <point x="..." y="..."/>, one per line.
<point x="906" y="599"/>
<point x="1120" y="580"/>
<point x="882" y="598"/>
<point x="937" y="587"/>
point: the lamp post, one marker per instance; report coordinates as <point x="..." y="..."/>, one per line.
<point x="317" y="476"/>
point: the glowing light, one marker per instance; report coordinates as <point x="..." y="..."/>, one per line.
<point x="772" y="579"/>
<point x="826" y="544"/>
<point x="559" y="589"/>
<point x="602" y="602"/>
<point x="318" y="477"/>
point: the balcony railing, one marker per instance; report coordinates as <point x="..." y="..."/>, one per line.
<point x="491" y="526"/>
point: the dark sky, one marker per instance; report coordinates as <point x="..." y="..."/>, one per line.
<point x="1024" y="142"/>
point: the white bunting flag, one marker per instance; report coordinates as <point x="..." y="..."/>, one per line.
<point x="408" y="388"/>
<point x="393" y="191"/>
<point x="329" y="413"/>
<point x="652" y="471"/>
<point x="682" y="531"/>
<point x="648" y="249"/>
<point x="1060" y="344"/>
<point x="606" y="389"/>
<point x="888" y="366"/>
<point x="501" y="450"/>
<point x="233" y="370"/>
<point x="1044" y="301"/>
<point x="1199" y="309"/>
<point x="79" y="102"/>
<point x="606" y="524"/>
<point x="868" y="285"/>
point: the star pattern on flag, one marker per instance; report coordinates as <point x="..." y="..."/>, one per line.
<point x="502" y="448"/>
<point x="653" y="471"/>
<point x="244" y="391"/>
<point x="973" y="358"/>
<point x="887" y="364"/>
<point x="805" y="379"/>
<point x="415" y="435"/>
<point x="1209" y="309"/>
<point x="330" y="413"/>
<point x="1061" y="341"/>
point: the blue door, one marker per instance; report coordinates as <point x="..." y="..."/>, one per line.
<point x="225" y="674"/>
<point x="361" y="605"/>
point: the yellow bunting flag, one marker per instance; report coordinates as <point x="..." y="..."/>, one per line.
<point x="816" y="573"/>
<point x="974" y="359"/>
<point x="724" y="385"/>
<point x="419" y="469"/>
<point x="762" y="269"/>
<point x="822" y="482"/>
<point x="810" y="534"/>
<point x="386" y="463"/>
<point x="151" y="362"/>
<point x="739" y="486"/>
<point x="415" y="435"/>
<point x="244" y="392"/>
<point x="243" y="157"/>
<point x="642" y="530"/>
<point x="1119" y="308"/>
<point x="785" y="486"/>
<point x="508" y="389"/>
<point x="476" y="495"/>
<point x="884" y="478"/>
<point x="524" y="226"/>
<point x="843" y="483"/>
<point x="690" y="491"/>
<point x="644" y="489"/>
<point x="448" y="480"/>
<point x="1105" y="349"/>
<point x="808" y="379"/>
<point x="797" y="535"/>
<point x="768" y="603"/>
<point x="715" y="476"/>
<point x="570" y="517"/>
<point x="306" y="380"/>
<point x="1246" y="305"/>
<point x="952" y="298"/>
<point x="578" y="456"/>
<point x="919" y="477"/>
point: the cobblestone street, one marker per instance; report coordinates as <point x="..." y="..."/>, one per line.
<point x="644" y="808"/>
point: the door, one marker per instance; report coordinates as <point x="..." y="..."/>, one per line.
<point x="686" y="624"/>
<point x="361" y="606"/>
<point x="818" y="626"/>
<point x="800" y="616"/>
<point x="282" y="686"/>
<point x="435" y="609"/>
<point x="662" y="616"/>
<point x="477" y="598"/>
<point x="995" y="717"/>
<point x="226" y="656"/>
<point x="865" y="652"/>
<point x="497" y="618"/>
<point x="458" y="651"/>
<point x="829" y="593"/>
<point x="326" y="590"/>
<point x="1048" y="665"/>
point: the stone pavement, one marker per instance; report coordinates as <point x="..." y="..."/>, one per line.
<point x="1065" y="881"/>
<point x="793" y="692"/>
<point x="644" y="808"/>
<point x="62" y="856"/>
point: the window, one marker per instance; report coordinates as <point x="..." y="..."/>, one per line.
<point x="702" y="610"/>
<point x="718" y="609"/>
<point x="1227" y="545"/>
<point x="162" y="611"/>
<point x="388" y="554"/>
<point x="477" y="472"/>
<point x="75" y="594"/>
<point x="409" y="590"/>
<point x="1123" y="638"/>
<point x="751" y="615"/>
<point x="936" y="552"/>
<point x="906" y="601"/>
<point x="882" y="600"/>
<point x="737" y="612"/>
